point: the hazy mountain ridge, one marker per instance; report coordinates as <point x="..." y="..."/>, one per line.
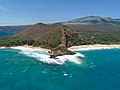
<point x="93" y="20"/>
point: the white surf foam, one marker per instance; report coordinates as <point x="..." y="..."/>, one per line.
<point x="72" y="58"/>
<point x="2" y="47"/>
<point x="45" y="57"/>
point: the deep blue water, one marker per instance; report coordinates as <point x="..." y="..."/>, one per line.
<point x="4" y="33"/>
<point x="99" y="70"/>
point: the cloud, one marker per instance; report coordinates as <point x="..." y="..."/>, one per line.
<point x="4" y="9"/>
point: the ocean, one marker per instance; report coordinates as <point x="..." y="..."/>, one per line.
<point x="4" y="33"/>
<point x="98" y="70"/>
<point x="33" y="70"/>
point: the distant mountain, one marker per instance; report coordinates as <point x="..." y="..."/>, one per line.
<point x="93" y="20"/>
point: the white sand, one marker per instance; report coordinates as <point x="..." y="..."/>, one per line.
<point x="73" y="48"/>
<point x="92" y="47"/>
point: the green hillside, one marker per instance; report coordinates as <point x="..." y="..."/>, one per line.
<point x="99" y="34"/>
<point x="44" y="35"/>
<point x="53" y="35"/>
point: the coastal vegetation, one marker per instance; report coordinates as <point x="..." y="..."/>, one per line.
<point x="50" y="36"/>
<point x="98" y="34"/>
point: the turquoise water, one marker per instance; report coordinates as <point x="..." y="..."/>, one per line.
<point x="99" y="70"/>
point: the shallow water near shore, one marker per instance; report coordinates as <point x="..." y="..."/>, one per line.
<point x="98" y="70"/>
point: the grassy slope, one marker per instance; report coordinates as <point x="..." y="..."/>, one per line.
<point x="48" y="36"/>
<point x="99" y="34"/>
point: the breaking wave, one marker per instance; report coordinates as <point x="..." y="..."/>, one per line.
<point x="45" y="57"/>
<point x="2" y="47"/>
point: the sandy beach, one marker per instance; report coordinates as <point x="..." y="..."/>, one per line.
<point x="92" y="47"/>
<point x="73" y="48"/>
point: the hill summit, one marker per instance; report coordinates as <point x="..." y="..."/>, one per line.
<point x="44" y="35"/>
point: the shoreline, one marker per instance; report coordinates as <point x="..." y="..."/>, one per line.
<point x="93" y="47"/>
<point x="72" y="48"/>
<point x="28" y="47"/>
<point x="30" y="51"/>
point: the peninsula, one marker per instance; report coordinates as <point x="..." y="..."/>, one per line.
<point x="57" y="38"/>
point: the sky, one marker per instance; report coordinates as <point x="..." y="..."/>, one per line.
<point x="15" y="12"/>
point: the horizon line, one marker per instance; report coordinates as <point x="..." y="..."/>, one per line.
<point x="10" y="24"/>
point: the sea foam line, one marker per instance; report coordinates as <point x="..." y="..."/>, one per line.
<point x="58" y="60"/>
<point x="2" y="47"/>
<point x="45" y="57"/>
